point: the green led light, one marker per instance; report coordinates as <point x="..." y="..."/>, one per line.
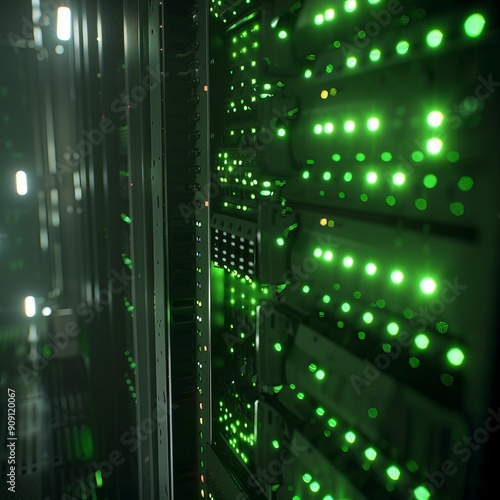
<point x="314" y="486"/>
<point x="457" y="208"/>
<point x="434" y="38"/>
<point x="318" y="128"/>
<point x="318" y="252"/>
<point x="371" y="268"/>
<point x="371" y="177"/>
<point x="375" y="55"/>
<point x="428" y="285"/>
<point x="414" y="362"/>
<point x="373" y="124"/>
<point x="421" y="204"/>
<point x="308" y="73"/>
<point x="275" y="444"/>
<point x="351" y="62"/>
<point x="320" y="374"/>
<point x="329" y="68"/>
<point x="474" y="25"/>
<point x="300" y="395"/>
<point x="98" y="478"/>
<point x="320" y="411"/>
<point x="327" y="176"/>
<point x="329" y="14"/>
<point x="282" y="34"/>
<point x="422" y="341"/>
<point x="402" y="47"/>
<point x="455" y="356"/>
<point x="368" y="317"/>
<point x="306" y="289"/>
<point x="393" y="328"/>
<point x="350" y="5"/>
<point x="390" y="200"/>
<point x="393" y="472"/>
<point x="430" y="181"/>
<point x="349" y="126"/>
<point x="421" y="493"/>
<point x="434" y="146"/>
<point x="265" y="192"/>
<point x="281" y="132"/>
<point x="465" y="183"/>
<point x="319" y="19"/>
<point x="345" y="307"/>
<point x="397" y="277"/>
<point x="370" y="454"/>
<point x="332" y="422"/>
<point x="328" y="128"/>
<point x="417" y="156"/>
<point x="305" y="174"/>
<point x="399" y="178"/>
<point x="307" y="478"/>
<point x="326" y="299"/>
<point x="373" y="413"/>
<point x="363" y="197"/>
<point x="277" y="347"/>
<point x="435" y="119"/>
<point x="280" y="242"/>
<point x="350" y="437"/>
<point x="386" y="156"/>
<point x="360" y="157"/>
<point x="328" y="256"/>
<point x="348" y="261"/>
<point x="348" y="177"/>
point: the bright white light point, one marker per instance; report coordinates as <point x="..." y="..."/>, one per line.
<point x="21" y="183"/>
<point x="328" y="128"/>
<point x="29" y="306"/>
<point x="428" y="285"/>
<point x="434" y="146"/>
<point x="435" y="118"/>
<point x="63" y="23"/>
<point x="371" y="177"/>
<point x="349" y="126"/>
<point x="46" y="311"/>
<point x="329" y="14"/>
<point x="373" y="124"/>
<point x="399" y="179"/>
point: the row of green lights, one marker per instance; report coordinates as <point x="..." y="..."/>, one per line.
<point x="372" y="124"/>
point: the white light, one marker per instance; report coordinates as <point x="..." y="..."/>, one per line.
<point x="29" y="306"/>
<point x="21" y="183"/>
<point x="46" y="311"/>
<point x="63" y="23"/>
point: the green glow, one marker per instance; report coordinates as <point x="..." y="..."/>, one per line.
<point x="345" y="307"/>
<point x="307" y="478"/>
<point x="318" y="252"/>
<point x="275" y="444"/>
<point x="455" y="356"/>
<point x="326" y="299"/>
<point x="265" y="192"/>
<point x="305" y="174"/>
<point x="402" y="47"/>
<point x="267" y="86"/>
<point x="328" y="256"/>
<point x="371" y="177"/>
<point x="349" y="126"/>
<point x="328" y="128"/>
<point x="386" y="156"/>
<point x="98" y="478"/>
<point x="417" y="156"/>
<point x="300" y="395"/>
<point x="350" y="437"/>
<point x="370" y="454"/>
<point x="373" y="124"/>
<point x="393" y="472"/>
<point x="351" y="62"/>
<point x="474" y="25"/>
<point x="329" y="68"/>
<point x="363" y="197"/>
<point x="360" y="157"/>
<point x="390" y="200"/>
<point x="375" y="55"/>
<point x="327" y="176"/>
<point x="434" y="146"/>
<point x="281" y="132"/>
<point x="422" y="341"/>
<point x="318" y="128"/>
<point x="348" y="261"/>
<point x="371" y="268"/>
<point x="282" y="34"/>
<point x="457" y="208"/>
<point x="421" y="493"/>
<point x="348" y="177"/>
<point x="320" y="411"/>
<point x="421" y="204"/>
<point x="434" y="38"/>
<point x="329" y="14"/>
<point x="328" y="497"/>
<point x="336" y="157"/>
<point x="350" y="5"/>
<point x="399" y="178"/>
<point x="314" y="486"/>
<point x="435" y="119"/>
<point x="280" y="242"/>
<point x="430" y="181"/>
<point x="368" y="317"/>
<point x="319" y="19"/>
<point x="332" y="422"/>
<point x="306" y="289"/>
<point x="465" y="183"/>
<point x="308" y="73"/>
<point x="393" y="328"/>
<point x="428" y="285"/>
<point x="373" y="413"/>
<point x="320" y="375"/>
<point x="277" y="347"/>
